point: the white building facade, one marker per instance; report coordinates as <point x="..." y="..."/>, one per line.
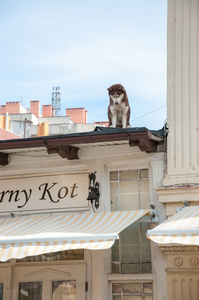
<point x="48" y="178"/>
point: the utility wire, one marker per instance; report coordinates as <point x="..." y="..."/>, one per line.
<point x="148" y="113"/>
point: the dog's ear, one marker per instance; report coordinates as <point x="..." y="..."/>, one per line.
<point x="123" y="89"/>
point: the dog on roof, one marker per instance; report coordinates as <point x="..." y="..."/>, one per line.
<point x="118" y="109"/>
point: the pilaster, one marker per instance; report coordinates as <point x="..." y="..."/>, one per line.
<point x="183" y="92"/>
<point x="182" y="272"/>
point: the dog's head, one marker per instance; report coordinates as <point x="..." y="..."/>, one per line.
<point x="117" y="94"/>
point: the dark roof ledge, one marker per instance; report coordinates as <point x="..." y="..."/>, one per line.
<point x="66" y="145"/>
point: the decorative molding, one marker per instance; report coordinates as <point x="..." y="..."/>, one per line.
<point x="178" y="193"/>
<point x="184" y="272"/>
<point x="193" y="261"/>
<point x="48" y="270"/>
<point x="181" y="178"/>
<point x="131" y="277"/>
<point x="178" y="261"/>
<point x="175" y="249"/>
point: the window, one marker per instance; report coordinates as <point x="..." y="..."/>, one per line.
<point x="131" y="253"/>
<point x="64" y="290"/>
<point x="1" y="291"/>
<point x="30" y="291"/>
<point x="129" y="189"/>
<point x="21" y="125"/>
<point x="132" y="291"/>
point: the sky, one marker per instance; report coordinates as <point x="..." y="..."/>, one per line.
<point x="85" y="46"/>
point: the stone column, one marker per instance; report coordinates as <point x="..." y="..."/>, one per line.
<point x="183" y="92"/>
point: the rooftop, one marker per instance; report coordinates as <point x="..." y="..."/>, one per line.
<point x="67" y="145"/>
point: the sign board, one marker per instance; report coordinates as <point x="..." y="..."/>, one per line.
<point x="44" y="193"/>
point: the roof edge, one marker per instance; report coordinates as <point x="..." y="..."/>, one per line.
<point x="96" y="136"/>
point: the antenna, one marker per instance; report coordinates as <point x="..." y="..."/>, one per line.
<point x="56" y="101"/>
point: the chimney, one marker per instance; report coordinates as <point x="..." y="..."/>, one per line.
<point x="13" y="107"/>
<point x="46" y="110"/>
<point x="5" y="122"/>
<point x="77" y="115"/>
<point x="43" y="129"/>
<point x="3" y="109"/>
<point x="35" y="108"/>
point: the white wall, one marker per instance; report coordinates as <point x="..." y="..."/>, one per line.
<point x="101" y="159"/>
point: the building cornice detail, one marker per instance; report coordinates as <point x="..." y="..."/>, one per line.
<point x="178" y="193"/>
<point x="178" y="249"/>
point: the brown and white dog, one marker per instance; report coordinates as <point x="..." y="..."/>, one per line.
<point x="119" y="109"/>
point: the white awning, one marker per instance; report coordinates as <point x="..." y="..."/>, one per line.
<point x="182" y="228"/>
<point x="34" y="235"/>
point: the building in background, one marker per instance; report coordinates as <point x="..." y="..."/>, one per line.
<point x="102" y="123"/>
<point x="5" y="133"/>
<point x="30" y="122"/>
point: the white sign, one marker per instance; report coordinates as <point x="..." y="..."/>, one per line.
<point x="44" y="193"/>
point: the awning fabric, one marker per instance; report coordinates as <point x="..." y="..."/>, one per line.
<point x="34" y="235"/>
<point x="182" y="228"/>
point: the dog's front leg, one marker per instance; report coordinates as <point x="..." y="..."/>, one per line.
<point x="114" y="119"/>
<point x="112" y="114"/>
<point x="124" y="120"/>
